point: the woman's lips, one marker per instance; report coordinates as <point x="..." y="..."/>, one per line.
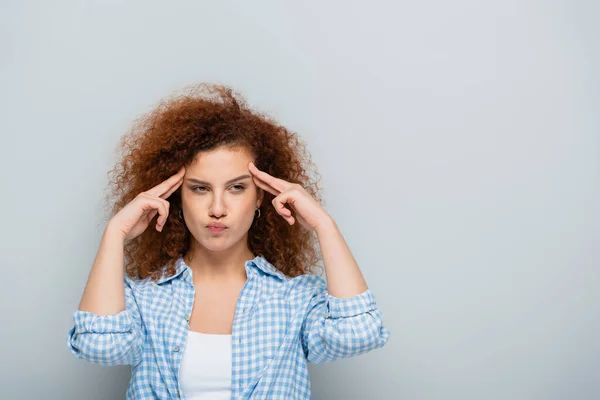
<point x="214" y="229"/>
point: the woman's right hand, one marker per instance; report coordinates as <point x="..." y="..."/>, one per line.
<point x="133" y="219"/>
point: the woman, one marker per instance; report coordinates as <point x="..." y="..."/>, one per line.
<point x="219" y="301"/>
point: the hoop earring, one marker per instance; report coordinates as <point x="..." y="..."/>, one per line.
<point x="180" y="214"/>
<point x="190" y="255"/>
<point x="258" y="212"/>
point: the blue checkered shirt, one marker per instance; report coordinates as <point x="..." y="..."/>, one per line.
<point x="280" y="324"/>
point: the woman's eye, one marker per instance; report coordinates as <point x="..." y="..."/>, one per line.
<point x="241" y="187"/>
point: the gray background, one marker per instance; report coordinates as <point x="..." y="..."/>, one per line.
<point x="458" y="144"/>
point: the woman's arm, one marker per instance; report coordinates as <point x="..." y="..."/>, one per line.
<point x="344" y="278"/>
<point x="107" y="326"/>
<point x="337" y="328"/>
<point x="342" y="319"/>
<point x="103" y="293"/>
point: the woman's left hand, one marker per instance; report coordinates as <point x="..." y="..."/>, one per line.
<point x="309" y="212"/>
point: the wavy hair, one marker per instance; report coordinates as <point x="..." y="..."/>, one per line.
<point x="203" y="117"/>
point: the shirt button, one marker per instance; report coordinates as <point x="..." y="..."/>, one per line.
<point x="187" y="317"/>
<point x="176" y="349"/>
<point x="178" y="394"/>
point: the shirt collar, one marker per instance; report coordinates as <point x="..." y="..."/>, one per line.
<point x="258" y="263"/>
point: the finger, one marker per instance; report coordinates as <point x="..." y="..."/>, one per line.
<point x="152" y="214"/>
<point x="276" y="183"/>
<point x="279" y="204"/>
<point x="158" y="204"/>
<point x="285" y="211"/>
<point x="166" y="185"/>
<point x="265" y="186"/>
<point x="174" y="188"/>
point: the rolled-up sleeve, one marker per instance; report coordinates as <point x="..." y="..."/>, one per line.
<point x="115" y="339"/>
<point x="337" y="328"/>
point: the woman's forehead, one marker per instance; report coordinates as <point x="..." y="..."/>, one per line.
<point x="220" y="165"/>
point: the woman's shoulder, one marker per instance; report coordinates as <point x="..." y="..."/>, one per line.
<point x="291" y="293"/>
<point x="307" y="282"/>
<point x="302" y="288"/>
<point x="138" y="285"/>
<point x="276" y="280"/>
<point x="150" y="282"/>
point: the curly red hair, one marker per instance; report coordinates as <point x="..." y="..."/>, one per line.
<point x="204" y="117"/>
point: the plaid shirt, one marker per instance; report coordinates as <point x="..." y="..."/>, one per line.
<point x="280" y="324"/>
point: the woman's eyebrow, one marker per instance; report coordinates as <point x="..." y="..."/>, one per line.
<point x="200" y="182"/>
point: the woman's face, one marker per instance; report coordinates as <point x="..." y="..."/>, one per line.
<point x="211" y="193"/>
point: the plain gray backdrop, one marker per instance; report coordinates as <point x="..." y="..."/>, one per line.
<point x="458" y="144"/>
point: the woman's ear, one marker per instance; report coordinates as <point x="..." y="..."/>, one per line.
<point x="261" y="195"/>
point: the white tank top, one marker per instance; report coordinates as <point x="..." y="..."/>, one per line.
<point x="205" y="371"/>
